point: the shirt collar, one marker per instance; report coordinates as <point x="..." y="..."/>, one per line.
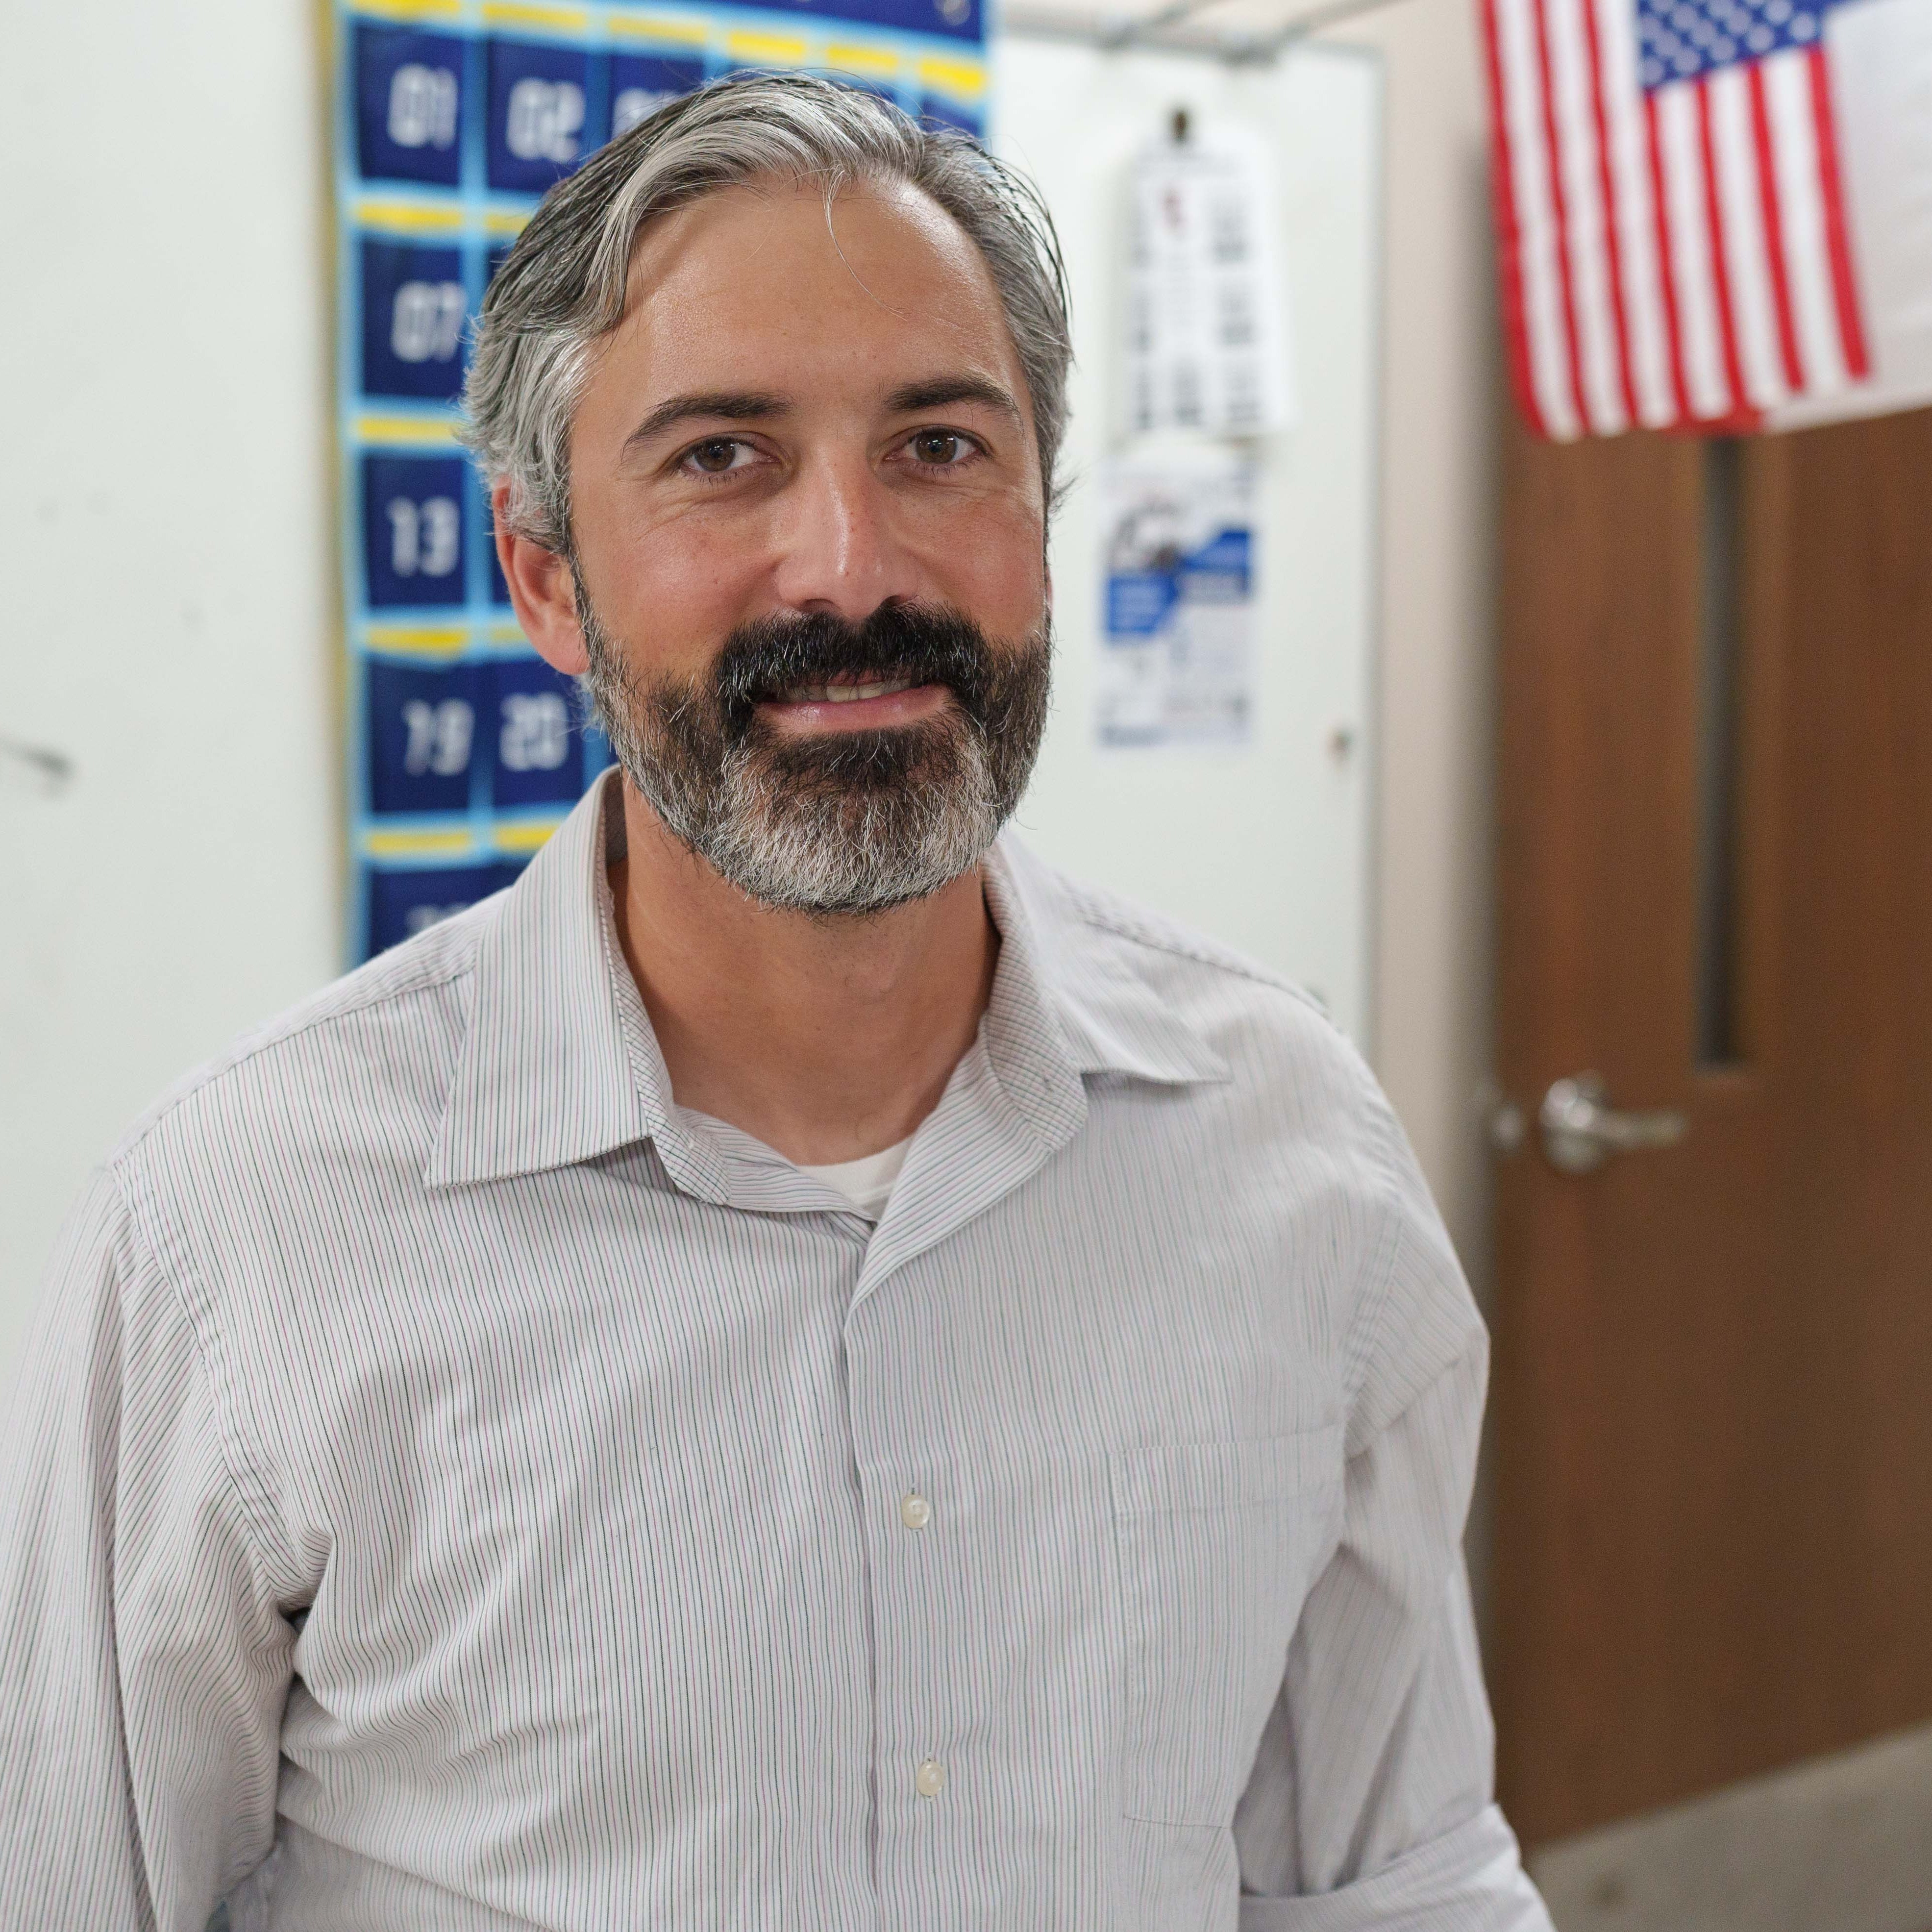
<point x="1090" y="966"/>
<point x="559" y="1064"/>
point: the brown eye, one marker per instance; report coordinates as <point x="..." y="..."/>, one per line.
<point x="937" y="446"/>
<point x="714" y="458"/>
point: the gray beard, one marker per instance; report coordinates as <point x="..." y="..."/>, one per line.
<point x="821" y="840"/>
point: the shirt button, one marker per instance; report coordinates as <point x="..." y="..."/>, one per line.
<point x="930" y="1778"/>
<point x="915" y="1512"/>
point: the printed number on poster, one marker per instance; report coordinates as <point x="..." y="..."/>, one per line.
<point x="422" y="106"/>
<point x="440" y="735"/>
<point x="536" y="737"/>
<point x="425" y="538"/>
<point x="545" y="118"/>
<point x="426" y="321"/>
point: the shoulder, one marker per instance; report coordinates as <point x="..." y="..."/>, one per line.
<point x="1296" y="1125"/>
<point x="224" y="1174"/>
<point x="1165" y="944"/>
<point x="379" y="1042"/>
<point x="1266" y="1028"/>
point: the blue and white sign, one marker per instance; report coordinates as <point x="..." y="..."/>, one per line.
<point x="415" y="320"/>
<point x="422" y="736"/>
<point x="546" y="113"/>
<point x="538" y="744"/>
<point x="1177" y="650"/>
<point x="408" y="104"/>
<point x="413" y="543"/>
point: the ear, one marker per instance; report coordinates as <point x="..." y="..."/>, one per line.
<point x="541" y="590"/>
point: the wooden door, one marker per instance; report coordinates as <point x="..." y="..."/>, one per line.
<point x="1713" y="1393"/>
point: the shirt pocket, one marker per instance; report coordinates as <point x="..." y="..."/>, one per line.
<point x="1218" y="1543"/>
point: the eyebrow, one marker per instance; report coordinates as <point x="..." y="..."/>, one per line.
<point x="940" y="390"/>
<point x="718" y="405"/>
<point x="758" y="406"/>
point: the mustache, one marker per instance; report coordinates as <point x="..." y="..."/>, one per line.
<point x="762" y="661"/>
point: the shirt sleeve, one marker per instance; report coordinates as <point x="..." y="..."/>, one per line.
<point x="145" y="1661"/>
<point x="1371" y="1805"/>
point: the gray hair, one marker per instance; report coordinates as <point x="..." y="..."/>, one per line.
<point x="564" y="284"/>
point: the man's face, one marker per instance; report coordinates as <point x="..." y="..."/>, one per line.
<point x="809" y="528"/>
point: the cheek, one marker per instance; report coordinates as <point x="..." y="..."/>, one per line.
<point x="673" y="592"/>
<point x="995" y="570"/>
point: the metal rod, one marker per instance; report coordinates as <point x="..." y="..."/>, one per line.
<point x="1171" y="29"/>
<point x="1316" y="18"/>
<point x="1131" y="27"/>
<point x="1078" y="28"/>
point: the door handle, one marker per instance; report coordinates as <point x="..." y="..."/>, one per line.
<point x="1581" y="1129"/>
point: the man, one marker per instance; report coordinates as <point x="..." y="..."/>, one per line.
<point x="797" y="1370"/>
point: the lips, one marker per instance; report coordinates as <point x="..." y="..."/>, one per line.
<point x="796" y="669"/>
<point x="845" y="693"/>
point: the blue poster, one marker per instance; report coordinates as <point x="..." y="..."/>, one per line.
<point x="452" y="119"/>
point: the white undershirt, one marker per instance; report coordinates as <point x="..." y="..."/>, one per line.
<point x="866" y="1184"/>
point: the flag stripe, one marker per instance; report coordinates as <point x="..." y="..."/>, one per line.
<point x="1688" y="211"/>
<point x="1509" y="233"/>
<point x="1590" y="261"/>
<point x="1844" y="288"/>
<point x="1787" y="86"/>
<point x="1607" y="189"/>
<point x="1666" y="272"/>
<point x="1774" y="228"/>
<point x="1720" y="276"/>
<point x="1741" y="229"/>
<point x="1645" y="292"/>
<point x="1542" y="294"/>
<point x="1539" y="11"/>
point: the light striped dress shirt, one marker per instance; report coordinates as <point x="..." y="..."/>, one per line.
<point x="451" y="1493"/>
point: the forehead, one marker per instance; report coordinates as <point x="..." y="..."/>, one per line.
<point x="751" y="281"/>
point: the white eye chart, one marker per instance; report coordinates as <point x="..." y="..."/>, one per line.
<point x="1207" y="345"/>
<point x="452" y="117"/>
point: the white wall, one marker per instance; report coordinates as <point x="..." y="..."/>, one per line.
<point x="1440" y="395"/>
<point x="163" y="519"/>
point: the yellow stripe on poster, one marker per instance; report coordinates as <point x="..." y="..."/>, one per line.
<point x="963" y="80"/>
<point x="874" y="63"/>
<point x="416" y="641"/>
<point x="510" y="221"/>
<point x="528" y="13"/>
<point x="410" y="217"/>
<point x="418" y="845"/>
<point x="414" y="432"/>
<point x="409" y="10"/>
<point x="506" y="634"/>
<point x="765" y="49"/>
<point x="659" y="27"/>
<point x="525" y="835"/>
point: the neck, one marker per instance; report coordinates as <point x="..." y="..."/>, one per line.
<point x="828" y="1039"/>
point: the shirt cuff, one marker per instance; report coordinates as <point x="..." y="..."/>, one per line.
<point x="1471" y="1879"/>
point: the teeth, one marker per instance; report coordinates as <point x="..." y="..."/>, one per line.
<point x="845" y="693"/>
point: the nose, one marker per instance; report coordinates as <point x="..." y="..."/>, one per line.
<point x="838" y="551"/>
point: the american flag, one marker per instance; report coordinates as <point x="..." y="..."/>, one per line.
<point x="1670" y="211"/>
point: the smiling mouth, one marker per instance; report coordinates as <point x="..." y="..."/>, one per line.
<point x="845" y="693"/>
